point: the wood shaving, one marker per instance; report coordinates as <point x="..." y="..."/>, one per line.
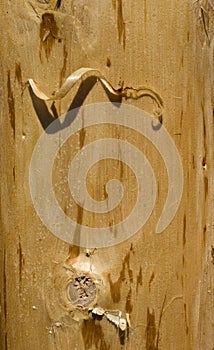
<point x="81" y="74"/>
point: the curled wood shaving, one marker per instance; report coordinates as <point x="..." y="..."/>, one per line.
<point x="83" y="73"/>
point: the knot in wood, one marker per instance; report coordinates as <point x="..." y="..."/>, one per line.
<point x="82" y="291"/>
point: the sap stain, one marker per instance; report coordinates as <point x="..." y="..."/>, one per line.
<point x="204" y="234"/>
<point x="205" y="186"/>
<point x="82" y="137"/>
<point x="139" y="279"/>
<point x="63" y="70"/>
<point x="130" y="272"/>
<point x="14" y="174"/>
<point x="184" y="231"/>
<point x="58" y="4"/>
<point x="121" y="169"/>
<point x="48" y="33"/>
<point x="79" y="215"/>
<point x="73" y="252"/>
<point x="4" y="284"/>
<point x="11" y="103"/>
<point x="93" y="336"/>
<point x="183" y="260"/>
<point x="204" y="119"/>
<point x="118" y="6"/>
<point x="151" y="330"/>
<point x="129" y="305"/>
<point x="21" y="259"/>
<point x="212" y="254"/>
<point x="115" y="287"/>
<point x="193" y="161"/>
<point x="5" y="341"/>
<point x="132" y="248"/>
<point x="185" y="313"/>
<point x="18" y="73"/>
<point x="151" y="280"/>
<point x="108" y="62"/>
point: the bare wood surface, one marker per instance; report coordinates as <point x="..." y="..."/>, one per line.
<point x="164" y="282"/>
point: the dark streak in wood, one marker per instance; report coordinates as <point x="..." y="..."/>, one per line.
<point x="48" y="33"/>
<point x="120" y="24"/>
<point x="184" y="231"/>
<point x="159" y="324"/>
<point x="79" y="220"/>
<point x="185" y="314"/>
<point x="73" y="252"/>
<point x="120" y="21"/>
<point x="63" y="70"/>
<point x="5" y="285"/>
<point x="115" y="287"/>
<point x="18" y="73"/>
<point x="121" y="169"/>
<point x="181" y="118"/>
<point x="93" y="336"/>
<point x="151" y="280"/>
<point x="204" y="123"/>
<point x="193" y="161"/>
<point x="129" y="305"/>
<point x="132" y="249"/>
<point x="206" y="186"/>
<point x="150" y="330"/>
<point x="11" y="103"/>
<point x="79" y="215"/>
<point x="139" y="279"/>
<point x="188" y="35"/>
<point x="5" y="341"/>
<point x="108" y="62"/>
<point x="130" y="272"/>
<point x="14" y="174"/>
<point x="82" y="135"/>
<point x="122" y="336"/>
<point x="204" y="129"/>
<point x="212" y="254"/>
<point x="58" y="4"/>
<point x="204" y="234"/>
<point x="21" y="259"/>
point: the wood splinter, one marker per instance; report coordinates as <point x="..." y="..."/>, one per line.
<point x="114" y="316"/>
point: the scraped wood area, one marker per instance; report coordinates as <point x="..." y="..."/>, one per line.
<point x="158" y="287"/>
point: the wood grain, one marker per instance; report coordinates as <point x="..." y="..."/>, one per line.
<point x="165" y="282"/>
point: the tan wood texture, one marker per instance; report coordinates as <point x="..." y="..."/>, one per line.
<point x="163" y="281"/>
